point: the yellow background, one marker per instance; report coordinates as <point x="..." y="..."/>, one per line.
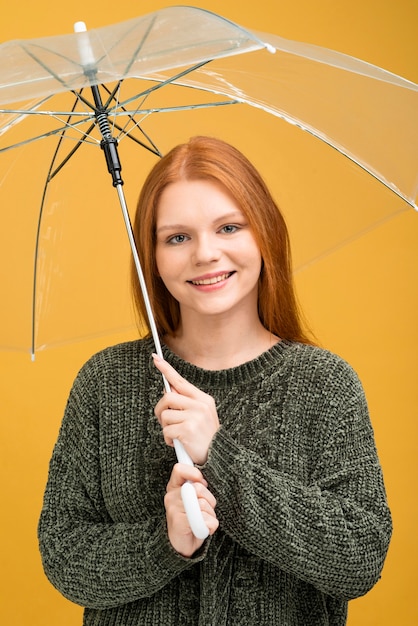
<point x="360" y="301"/>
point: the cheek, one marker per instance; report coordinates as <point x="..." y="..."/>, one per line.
<point x="167" y="268"/>
<point x="257" y="268"/>
<point x="161" y="263"/>
<point x="157" y="263"/>
<point x="254" y="255"/>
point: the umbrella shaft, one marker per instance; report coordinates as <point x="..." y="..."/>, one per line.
<point x="141" y="278"/>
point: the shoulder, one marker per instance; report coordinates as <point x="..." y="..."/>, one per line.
<point x="119" y="359"/>
<point x="315" y="358"/>
<point x="320" y="368"/>
<point x="326" y="394"/>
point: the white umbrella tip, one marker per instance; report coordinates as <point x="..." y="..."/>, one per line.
<point x="80" y="27"/>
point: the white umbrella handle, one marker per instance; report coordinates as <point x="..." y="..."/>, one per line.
<point x="189" y="497"/>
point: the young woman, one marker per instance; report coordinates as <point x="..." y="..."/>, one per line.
<point x="286" y="470"/>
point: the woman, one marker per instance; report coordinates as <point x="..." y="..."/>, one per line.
<point x="286" y="470"/>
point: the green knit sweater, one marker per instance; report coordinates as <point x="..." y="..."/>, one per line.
<point x="304" y="523"/>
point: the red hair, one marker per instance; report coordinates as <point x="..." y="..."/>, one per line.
<point x="206" y="158"/>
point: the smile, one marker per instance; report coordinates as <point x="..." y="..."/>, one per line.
<point x="211" y="281"/>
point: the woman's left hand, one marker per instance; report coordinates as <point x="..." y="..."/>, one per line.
<point x="186" y="414"/>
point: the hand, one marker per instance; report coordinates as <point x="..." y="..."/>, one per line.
<point x="179" y="532"/>
<point x="186" y="414"/>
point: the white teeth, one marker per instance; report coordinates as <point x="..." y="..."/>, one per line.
<point x="211" y="281"/>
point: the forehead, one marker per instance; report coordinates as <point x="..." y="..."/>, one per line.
<point x="195" y="199"/>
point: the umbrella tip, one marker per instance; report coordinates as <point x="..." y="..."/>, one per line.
<point x="84" y="46"/>
<point x="80" y="27"/>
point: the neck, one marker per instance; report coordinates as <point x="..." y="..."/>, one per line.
<point x="214" y="345"/>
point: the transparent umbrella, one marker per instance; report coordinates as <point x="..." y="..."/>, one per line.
<point x="126" y="89"/>
<point x="130" y="83"/>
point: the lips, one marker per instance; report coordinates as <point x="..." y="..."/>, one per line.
<point x="212" y="280"/>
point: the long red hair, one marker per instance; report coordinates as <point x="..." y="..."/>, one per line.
<point x="207" y="158"/>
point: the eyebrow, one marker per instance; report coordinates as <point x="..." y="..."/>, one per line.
<point x="169" y="227"/>
<point x="223" y="218"/>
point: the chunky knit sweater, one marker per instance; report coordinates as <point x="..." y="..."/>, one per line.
<point x="304" y="523"/>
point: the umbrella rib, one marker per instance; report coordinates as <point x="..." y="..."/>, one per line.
<point x="51" y="173"/>
<point x="145" y="36"/>
<point x="86" y="133"/>
<point x="38" y="232"/>
<point x="171" y="80"/>
<point x="48" y="69"/>
<point x="153" y="148"/>
<point x="354" y="160"/>
<point x="71" y="153"/>
<point x="339" y="246"/>
<point x="78" y="64"/>
<point x="48" y="113"/>
<point x="140" y="45"/>
<point x="51" y="133"/>
<point x="163" y="83"/>
<point x="183" y="107"/>
<point x="112" y="111"/>
<point x="112" y="96"/>
<point x="84" y="100"/>
<point x="122" y="129"/>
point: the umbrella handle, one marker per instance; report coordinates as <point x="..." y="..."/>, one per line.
<point x="189" y="497"/>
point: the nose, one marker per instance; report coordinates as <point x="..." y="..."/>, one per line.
<point x="206" y="249"/>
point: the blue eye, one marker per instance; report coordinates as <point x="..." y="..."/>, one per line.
<point x="229" y="229"/>
<point x="177" y="239"/>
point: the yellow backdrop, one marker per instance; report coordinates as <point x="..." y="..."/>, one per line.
<point x="360" y="301"/>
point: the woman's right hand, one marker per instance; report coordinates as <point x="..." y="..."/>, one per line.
<point x="179" y="532"/>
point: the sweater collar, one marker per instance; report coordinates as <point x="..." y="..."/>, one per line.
<point x="239" y="375"/>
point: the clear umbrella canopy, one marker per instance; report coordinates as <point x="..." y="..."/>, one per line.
<point x="167" y="76"/>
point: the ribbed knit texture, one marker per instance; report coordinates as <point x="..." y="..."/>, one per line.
<point x="304" y="523"/>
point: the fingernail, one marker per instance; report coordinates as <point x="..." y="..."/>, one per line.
<point x="156" y="357"/>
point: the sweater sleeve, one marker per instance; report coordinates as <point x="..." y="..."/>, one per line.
<point x="332" y="530"/>
<point x="91" y="559"/>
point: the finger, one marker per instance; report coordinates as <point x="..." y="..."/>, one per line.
<point x="181" y="473"/>
<point x="205" y="496"/>
<point x="170" y="433"/>
<point x="212" y="523"/>
<point x="208" y="515"/>
<point x="177" y="382"/>
<point x="174" y="506"/>
<point x="185" y="434"/>
<point x="173" y="401"/>
<point x="206" y="500"/>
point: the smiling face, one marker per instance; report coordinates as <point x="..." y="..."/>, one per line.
<point x="206" y="253"/>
